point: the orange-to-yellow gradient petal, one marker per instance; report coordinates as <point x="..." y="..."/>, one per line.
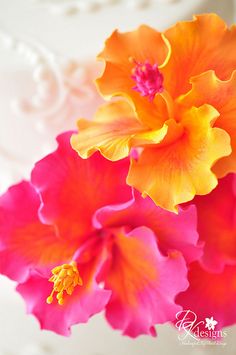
<point x="113" y="132"/>
<point x="197" y="46"/>
<point x="173" y="173"/>
<point x="121" y="54"/>
<point x="120" y="49"/>
<point x="207" y="88"/>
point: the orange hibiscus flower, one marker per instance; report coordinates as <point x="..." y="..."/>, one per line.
<point x="178" y="108"/>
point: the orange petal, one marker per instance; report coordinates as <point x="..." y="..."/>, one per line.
<point x="173" y="173"/>
<point x="113" y="132"/>
<point x="120" y="51"/>
<point x="197" y="46"/>
<point x="154" y="114"/>
<point x="207" y="88"/>
<point x="120" y="48"/>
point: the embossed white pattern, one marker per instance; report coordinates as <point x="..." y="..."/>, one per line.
<point x="71" y="7"/>
<point x="55" y="78"/>
<point x="62" y="86"/>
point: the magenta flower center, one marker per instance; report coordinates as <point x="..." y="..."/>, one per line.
<point x="148" y="78"/>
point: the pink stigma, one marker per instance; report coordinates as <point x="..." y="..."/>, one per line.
<point x="148" y="78"/>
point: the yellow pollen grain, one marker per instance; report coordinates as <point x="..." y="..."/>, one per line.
<point x="65" y="278"/>
<point x="131" y="59"/>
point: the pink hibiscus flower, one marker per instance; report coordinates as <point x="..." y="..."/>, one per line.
<point x="212" y="279"/>
<point x="78" y="241"/>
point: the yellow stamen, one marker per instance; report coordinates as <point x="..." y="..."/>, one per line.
<point x="65" y="278"/>
<point x="131" y="59"/>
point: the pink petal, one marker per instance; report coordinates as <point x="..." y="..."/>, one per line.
<point x="25" y="241"/>
<point x="211" y="294"/>
<point x="172" y="231"/>
<point x="217" y="225"/>
<point x="144" y="283"/>
<point x="72" y="188"/>
<point x="85" y="301"/>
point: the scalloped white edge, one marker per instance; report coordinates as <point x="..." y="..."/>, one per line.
<point x="71" y="7"/>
